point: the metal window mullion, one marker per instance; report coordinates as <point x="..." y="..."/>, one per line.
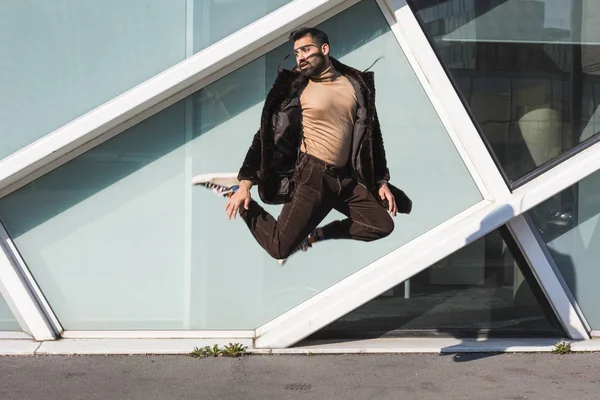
<point x="22" y="294"/>
<point x="557" y="179"/>
<point x="188" y="319"/>
<point x="546" y="272"/>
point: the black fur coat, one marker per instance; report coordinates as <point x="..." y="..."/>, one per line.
<point x="272" y="157"/>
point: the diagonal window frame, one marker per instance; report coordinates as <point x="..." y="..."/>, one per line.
<point x="23" y="296"/>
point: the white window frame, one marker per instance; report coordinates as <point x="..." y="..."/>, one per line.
<point x="550" y="279"/>
<point x="22" y="294"/>
<point x="444" y="98"/>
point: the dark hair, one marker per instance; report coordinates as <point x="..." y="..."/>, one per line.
<point x="317" y="35"/>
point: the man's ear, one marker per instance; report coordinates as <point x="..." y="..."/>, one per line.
<point x="325" y="49"/>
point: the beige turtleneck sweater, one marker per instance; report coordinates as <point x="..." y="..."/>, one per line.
<point x="329" y="107"/>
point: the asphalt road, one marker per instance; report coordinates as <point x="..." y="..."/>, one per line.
<point x="407" y="376"/>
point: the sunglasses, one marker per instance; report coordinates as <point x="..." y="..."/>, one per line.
<point x="295" y="53"/>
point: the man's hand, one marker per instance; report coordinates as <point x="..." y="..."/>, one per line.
<point x="386" y="194"/>
<point x="239" y="198"/>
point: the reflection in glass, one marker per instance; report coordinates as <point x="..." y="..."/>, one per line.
<point x="483" y="289"/>
<point x="569" y="224"/>
<point x="528" y="69"/>
<point x="8" y="323"/>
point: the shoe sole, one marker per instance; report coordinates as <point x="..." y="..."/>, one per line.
<point x="228" y="177"/>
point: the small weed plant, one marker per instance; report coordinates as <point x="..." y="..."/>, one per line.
<point x="230" y="350"/>
<point x="562" y="348"/>
<point x="234" y="350"/>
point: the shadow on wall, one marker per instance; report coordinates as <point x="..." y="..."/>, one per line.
<point x="162" y="134"/>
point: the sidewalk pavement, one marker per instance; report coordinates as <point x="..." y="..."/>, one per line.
<point x="388" y="376"/>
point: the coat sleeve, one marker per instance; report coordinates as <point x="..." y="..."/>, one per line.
<point x="251" y="164"/>
<point x="380" y="167"/>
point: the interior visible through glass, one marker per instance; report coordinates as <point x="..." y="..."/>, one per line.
<point x="528" y="69"/>
<point x="482" y="290"/>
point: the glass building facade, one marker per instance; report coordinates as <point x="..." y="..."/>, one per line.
<point x="117" y="240"/>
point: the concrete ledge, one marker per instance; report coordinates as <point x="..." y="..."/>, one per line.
<point x="432" y="346"/>
<point x="18" y="347"/>
<point x="374" y="346"/>
<point x="592" y="345"/>
<point x="131" y="346"/>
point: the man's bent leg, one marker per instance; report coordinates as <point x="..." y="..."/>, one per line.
<point x="298" y="218"/>
<point x="367" y="219"/>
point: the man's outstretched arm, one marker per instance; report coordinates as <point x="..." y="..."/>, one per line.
<point x="248" y="175"/>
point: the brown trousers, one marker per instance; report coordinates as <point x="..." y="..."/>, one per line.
<point x="320" y="188"/>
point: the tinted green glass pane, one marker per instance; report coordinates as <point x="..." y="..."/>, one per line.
<point x="121" y="240"/>
<point x="62" y="58"/>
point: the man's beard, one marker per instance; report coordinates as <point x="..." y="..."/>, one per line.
<point x="316" y="66"/>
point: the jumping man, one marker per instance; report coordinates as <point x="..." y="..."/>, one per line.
<point x="319" y="148"/>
